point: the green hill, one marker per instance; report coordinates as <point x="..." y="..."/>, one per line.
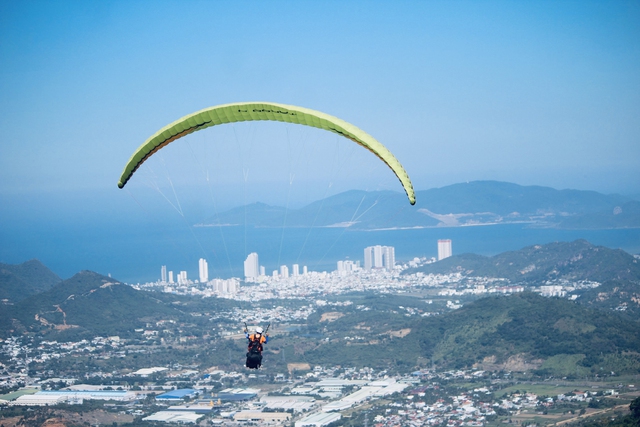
<point x="578" y="260"/>
<point x="18" y="282"/>
<point x="88" y="302"/>
<point x="534" y="330"/>
<point x="523" y="332"/>
<point x="618" y="295"/>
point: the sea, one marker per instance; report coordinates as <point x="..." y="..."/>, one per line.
<point x="136" y="253"/>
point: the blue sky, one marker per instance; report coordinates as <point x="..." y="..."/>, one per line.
<point x="531" y="92"/>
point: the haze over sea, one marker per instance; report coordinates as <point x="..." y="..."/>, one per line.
<point x="135" y="252"/>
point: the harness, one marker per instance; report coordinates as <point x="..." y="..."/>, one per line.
<point x="255" y="345"/>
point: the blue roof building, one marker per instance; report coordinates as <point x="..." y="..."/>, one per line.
<point x="177" y="394"/>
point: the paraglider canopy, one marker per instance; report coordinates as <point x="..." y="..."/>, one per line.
<point x="250" y="111"/>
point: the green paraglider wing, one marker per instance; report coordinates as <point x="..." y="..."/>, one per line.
<point x="248" y="111"/>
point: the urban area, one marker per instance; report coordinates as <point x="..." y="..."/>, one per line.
<point x="305" y="395"/>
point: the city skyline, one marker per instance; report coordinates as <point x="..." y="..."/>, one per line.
<point x="375" y="257"/>
<point x="379" y="257"/>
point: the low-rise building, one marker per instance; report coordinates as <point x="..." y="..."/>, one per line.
<point x="318" y="419"/>
<point x="259" y="416"/>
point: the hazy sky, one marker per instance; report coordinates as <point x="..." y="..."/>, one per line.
<point x="531" y="92"/>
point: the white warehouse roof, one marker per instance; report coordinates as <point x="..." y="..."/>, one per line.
<point x="318" y="420"/>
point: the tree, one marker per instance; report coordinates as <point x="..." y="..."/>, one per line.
<point x="634" y="407"/>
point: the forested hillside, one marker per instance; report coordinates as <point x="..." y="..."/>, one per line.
<point x="88" y="302"/>
<point x="578" y="260"/>
<point x="17" y="282"/>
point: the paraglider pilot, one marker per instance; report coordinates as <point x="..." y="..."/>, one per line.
<point x="254" y="350"/>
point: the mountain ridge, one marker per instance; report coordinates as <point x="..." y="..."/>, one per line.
<point x="492" y="330"/>
<point x="88" y="301"/>
<point x="473" y="203"/>
<point x="18" y="282"/>
<point x="577" y="260"/>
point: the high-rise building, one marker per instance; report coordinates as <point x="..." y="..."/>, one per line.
<point x="163" y="274"/>
<point x="348" y="266"/>
<point x="379" y="257"/>
<point x="368" y="258"/>
<point x="388" y="257"/>
<point x="304" y="270"/>
<point x="203" y="268"/>
<point x="171" y="277"/>
<point x="444" y="249"/>
<point x="229" y="286"/>
<point x="263" y="272"/>
<point x="284" y="272"/>
<point x="296" y="270"/>
<point x="182" y="278"/>
<point x="251" y="266"/>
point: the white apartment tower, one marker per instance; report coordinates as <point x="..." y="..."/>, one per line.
<point x="348" y="266"/>
<point x="284" y="272"/>
<point x="296" y="270"/>
<point x="379" y="257"/>
<point x="368" y="258"/>
<point x="444" y="249"/>
<point x="203" y="268"/>
<point x="251" y="266"/>
<point x="163" y="274"/>
<point x="182" y="278"/>
<point x="389" y="257"/>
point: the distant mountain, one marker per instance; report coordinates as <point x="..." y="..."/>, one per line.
<point x="578" y="260"/>
<point x="355" y="209"/>
<point x="473" y="203"/>
<point x="18" y="282"/>
<point x="626" y="215"/>
<point x="88" y="302"/>
<point x="507" y="199"/>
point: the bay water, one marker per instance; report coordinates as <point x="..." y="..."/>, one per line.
<point x="135" y="253"/>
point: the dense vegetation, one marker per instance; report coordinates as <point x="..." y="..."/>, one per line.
<point x="619" y="295"/>
<point x="630" y="420"/>
<point x="18" y="282"/>
<point x="496" y="328"/>
<point x="578" y="260"/>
